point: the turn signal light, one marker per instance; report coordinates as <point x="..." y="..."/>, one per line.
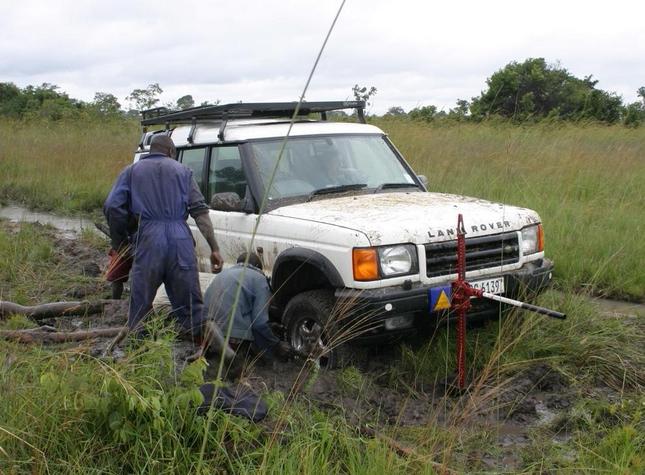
<point x="365" y="263"/>
<point x="540" y="238"/>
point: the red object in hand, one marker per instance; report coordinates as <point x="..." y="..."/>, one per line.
<point x="119" y="266"/>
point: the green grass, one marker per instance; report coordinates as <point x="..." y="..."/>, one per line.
<point x="585" y="181"/>
<point x="67" y="167"/>
<point x="65" y="411"/>
<point x="588" y="347"/>
<point x="33" y="270"/>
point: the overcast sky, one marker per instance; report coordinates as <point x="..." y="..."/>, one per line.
<point x="414" y="52"/>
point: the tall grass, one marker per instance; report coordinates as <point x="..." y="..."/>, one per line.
<point x="586" y="182"/>
<point x="64" y="411"/>
<point x="64" y="166"/>
<point x="33" y="270"/>
<point x="588" y="347"/>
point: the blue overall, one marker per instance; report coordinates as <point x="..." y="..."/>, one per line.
<point x="160" y="193"/>
<point x="251" y="315"/>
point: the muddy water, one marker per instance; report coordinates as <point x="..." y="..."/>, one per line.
<point x="618" y="308"/>
<point x="68" y="226"/>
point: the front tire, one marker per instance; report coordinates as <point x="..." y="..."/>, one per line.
<point x="309" y="320"/>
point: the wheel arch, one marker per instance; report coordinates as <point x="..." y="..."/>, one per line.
<point x="299" y="269"/>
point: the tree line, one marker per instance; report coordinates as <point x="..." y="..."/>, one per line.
<point x="47" y="101"/>
<point x="528" y="91"/>
<point x="533" y="91"/>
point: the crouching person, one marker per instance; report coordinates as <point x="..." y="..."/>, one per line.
<point x="251" y="314"/>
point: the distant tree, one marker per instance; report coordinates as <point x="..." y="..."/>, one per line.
<point x="8" y="92"/>
<point x="11" y="99"/>
<point x="44" y="101"/>
<point x="425" y="113"/>
<point x="460" y="111"/>
<point x="337" y="115"/>
<point x="185" y="102"/>
<point x="364" y="93"/>
<point x="641" y="93"/>
<point x="634" y="113"/>
<point x="47" y="102"/>
<point x="143" y="99"/>
<point x="206" y="103"/>
<point x="396" y="111"/>
<point x="106" y="103"/>
<point x="534" y="89"/>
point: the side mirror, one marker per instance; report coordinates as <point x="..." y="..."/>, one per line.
<point x="227" y="201"/>
<point x="423" y="179"/>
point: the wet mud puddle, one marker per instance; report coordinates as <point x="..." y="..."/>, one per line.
<point x="69" y="227"/>
<point x="619" y="308"/>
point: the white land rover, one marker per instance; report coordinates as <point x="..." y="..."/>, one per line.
<point x="347" y="220"/>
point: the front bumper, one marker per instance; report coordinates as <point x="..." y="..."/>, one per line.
<point x="393" y="311"/>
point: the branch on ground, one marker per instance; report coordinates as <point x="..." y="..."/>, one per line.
<point x="53" y="309"/>
<point x="45" y="335"/>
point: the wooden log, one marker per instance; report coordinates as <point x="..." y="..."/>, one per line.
<point x="53" y="309"/>
<point x="403" y="450"/>
<point x="399" y="448"/>
<point x="47" y="336"/>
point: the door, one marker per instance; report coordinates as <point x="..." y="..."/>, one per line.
<point x="195" y="159"/>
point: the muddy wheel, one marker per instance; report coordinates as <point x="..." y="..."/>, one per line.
<point x="307" y="318"/>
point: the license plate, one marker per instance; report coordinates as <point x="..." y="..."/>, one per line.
<point x="491" y="286"/>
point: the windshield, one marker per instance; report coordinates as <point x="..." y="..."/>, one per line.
<point x="311" y="164"/>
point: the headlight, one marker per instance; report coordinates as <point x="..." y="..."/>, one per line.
<point x="532" y="239"/>
<point x="373" y="263"/>
<point x="397" y="260"/>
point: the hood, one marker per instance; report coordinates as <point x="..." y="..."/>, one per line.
<point x="415" y="217"/>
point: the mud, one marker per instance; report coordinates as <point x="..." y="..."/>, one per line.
<point x="68" y="226"/>
<point x="75" y="268"/>
<point x="620" y="309"/>
<point x="537" y="396"/>
<point x="364" y="402"/>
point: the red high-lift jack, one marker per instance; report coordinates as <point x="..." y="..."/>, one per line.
<point x="460" y="302"/>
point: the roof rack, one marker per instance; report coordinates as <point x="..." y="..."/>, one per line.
<point x="156" y="112"/>
<point x="248" y="110"/>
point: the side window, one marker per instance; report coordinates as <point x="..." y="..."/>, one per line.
<point x="225" y="172"/>
<point x="193" y="158"/>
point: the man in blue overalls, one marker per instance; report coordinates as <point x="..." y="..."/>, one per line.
<point x="160" y="193"/>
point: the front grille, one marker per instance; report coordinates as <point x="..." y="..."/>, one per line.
<point x="481" y="252"/>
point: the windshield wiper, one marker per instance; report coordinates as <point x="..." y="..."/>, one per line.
<point x="336" y="189"/>
<point x="385" y="186"/>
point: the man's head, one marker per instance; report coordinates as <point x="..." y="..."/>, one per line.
<point x="254" y="259"/>
<point x="164" y="145"/>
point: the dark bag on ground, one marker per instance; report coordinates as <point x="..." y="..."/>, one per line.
<point x="237" y="400"/>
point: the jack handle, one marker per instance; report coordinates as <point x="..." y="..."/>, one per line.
<point x="525" y="306"/>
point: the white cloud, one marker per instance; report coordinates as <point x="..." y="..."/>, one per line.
<point x="414" y="52"/>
